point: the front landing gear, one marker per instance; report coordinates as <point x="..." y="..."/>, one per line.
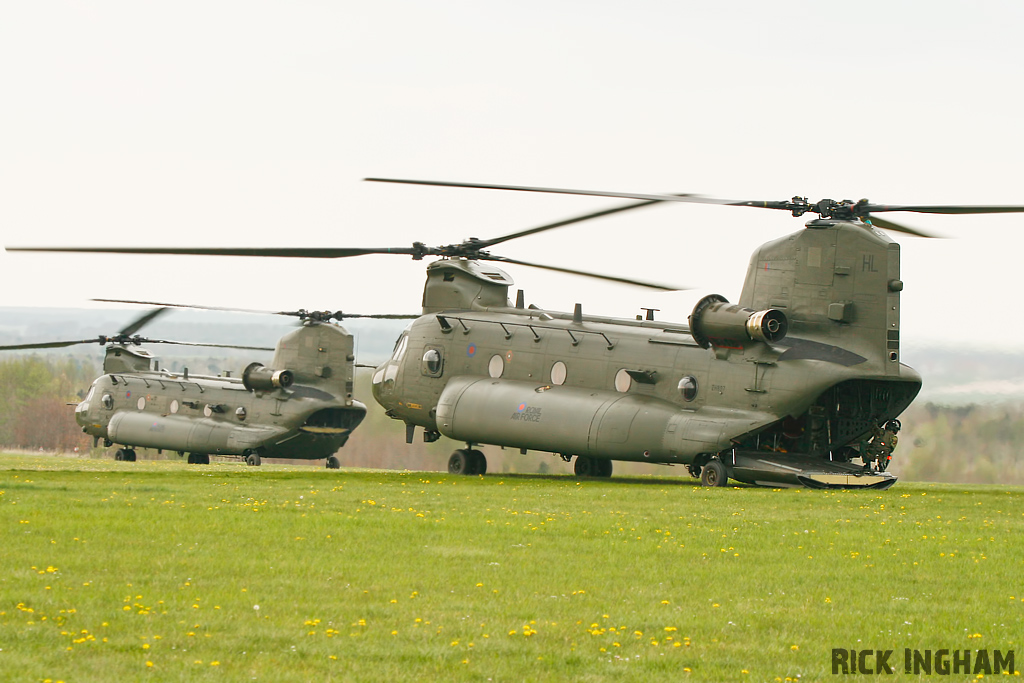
<point x="592" y="467"/>
<point x="333" y="463"/>
<point x="467" y="461"/>
<point x="125" y="455"/>
<point x="198" y="459"/>
<point x="253" y="459"/>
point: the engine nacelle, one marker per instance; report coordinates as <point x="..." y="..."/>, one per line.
<point x="716" y="322"/>
<point x="256" y="377"/>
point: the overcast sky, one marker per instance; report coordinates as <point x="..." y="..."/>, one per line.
<point x="252" y="124"/>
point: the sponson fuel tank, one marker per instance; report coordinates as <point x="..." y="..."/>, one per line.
<point x="172" y="432"/>
<point x="574" y="420"/>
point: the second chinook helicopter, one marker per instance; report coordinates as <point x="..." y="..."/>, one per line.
<point x="301" y="407"/>
<point x="797" y="384"/>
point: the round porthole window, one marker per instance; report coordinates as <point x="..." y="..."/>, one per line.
<point x="107" y="401"/>
<point x="623" y="381"/>
<point x="142" y="403"/>
<point x="688" y="388"/>
<point x="240" y="413"/>
<point x="558" y="373"/>
<point x="496" y="366"/>
<point x="432" y="362"/>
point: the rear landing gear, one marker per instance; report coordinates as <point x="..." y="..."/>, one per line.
<point x="333" y="463"/>
<point x="252" y="459"/>
<point x="198" y="459"/>
<point x="592" y="467"/>
<point x="467" y="461"/>
<point x="714" y="474"/>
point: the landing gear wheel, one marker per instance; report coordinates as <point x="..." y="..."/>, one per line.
<point x="253" y="459"/>
<point x="129" y="455"/>
<point x="461" y="462"/>
<point x="602" y="468"/>
<point x="479" y="462"/>
<point x="198" y="459"/>
<point x="584" y="466"/>
<point x="694" y="471"/>
<point x="119" y="455"/>
<point x="714" y="474"/>
<point x="333" y="463"/>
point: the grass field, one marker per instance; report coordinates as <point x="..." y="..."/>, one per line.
<point x="161" y="571"/>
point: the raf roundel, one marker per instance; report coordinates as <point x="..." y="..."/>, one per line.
<point x="471" y="350"/>
<point x="521" y="407"/>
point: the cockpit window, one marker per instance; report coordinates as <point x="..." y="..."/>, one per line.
<point x="403" y="343"/>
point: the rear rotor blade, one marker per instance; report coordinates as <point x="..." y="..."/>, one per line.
<point x="611" y="278"/>
<point x="689" y="198"/>
<point x="951" y="209"/>
<point x="895" y="227"/>
<point x="202" y="308"/>
<point x="216" y="346"/>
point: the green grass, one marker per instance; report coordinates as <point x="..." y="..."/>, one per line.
<point x="154" y="571"/>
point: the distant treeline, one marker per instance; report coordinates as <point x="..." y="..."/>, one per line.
<point x="978" y="444"/>
<point x="34" y="393"/>
<point x="981" y="444"/>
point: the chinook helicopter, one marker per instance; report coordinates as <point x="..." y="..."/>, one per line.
<point x="301" y="407"/>
<point x="799" y="383"/>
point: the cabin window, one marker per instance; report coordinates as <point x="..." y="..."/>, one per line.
<point x="142" y="403"/>
<point x="107" y="401"/>
<point x="433" y="363"/>
<point x="496" y="366"/>
<point x="174" y="406"/>
<point x="688" y="388"/>
<point x="558" y="373"/>
<point x="240" y="413"/>
<point x="623" y="381"/>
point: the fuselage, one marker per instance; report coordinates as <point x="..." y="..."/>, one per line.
<point x="652" y="391"/>
<point x="301" y="408"/>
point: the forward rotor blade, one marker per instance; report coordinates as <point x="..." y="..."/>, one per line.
<point x="569" y="221"/>
<point x="285" y="252"/>
<point x="611" y="278"/>
<point x="141" y="322"/>
<point x="339" y="314"/>
<point x="49" y="345"/>
<point x="381" y="316"/>
<point x="688" y="198"/>
<point x="895" y="227"/>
